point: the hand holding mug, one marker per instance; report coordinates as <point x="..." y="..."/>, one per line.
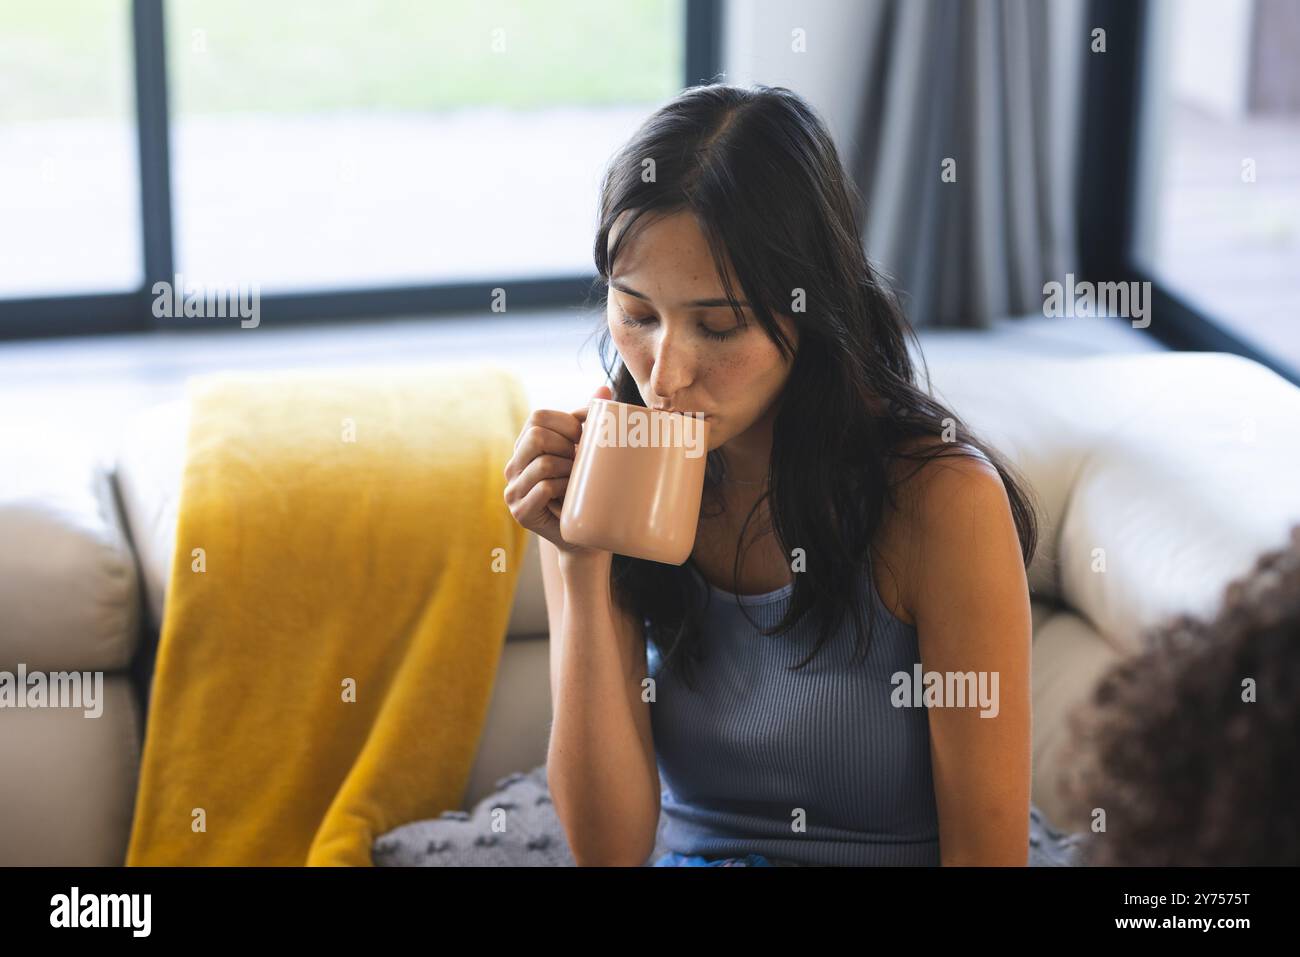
<point x="537" y="474"/>
<point x="637" y="482"/>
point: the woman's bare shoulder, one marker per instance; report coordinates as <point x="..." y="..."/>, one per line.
<point x="919" y="460"/>
<point x="926" y="475"/>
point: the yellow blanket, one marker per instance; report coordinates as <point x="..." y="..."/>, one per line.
<point x="344" y="570"/>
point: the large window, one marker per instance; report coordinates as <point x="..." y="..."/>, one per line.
<point x="1216" y="199"/>
<point x="69" y="197"/>
<point x="361" y="157"/>
<point x="374" y="142"/>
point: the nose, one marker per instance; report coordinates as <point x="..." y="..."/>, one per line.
<point x="672" y="373"/>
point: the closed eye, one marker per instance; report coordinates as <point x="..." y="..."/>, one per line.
<point x="637" y="322"/>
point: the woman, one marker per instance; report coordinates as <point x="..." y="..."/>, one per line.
<point x="844" y="510"/>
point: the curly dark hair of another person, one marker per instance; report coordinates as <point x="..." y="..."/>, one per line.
<point x="759" y="171"/>
<point x="1189" y="770"/>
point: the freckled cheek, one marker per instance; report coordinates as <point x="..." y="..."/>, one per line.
<point x="737" y="370"/>
<point x="749" y="375"/>
<point x="724" y="379"/>
<point x="735" y="362"/>
<point x="627" y="342"/>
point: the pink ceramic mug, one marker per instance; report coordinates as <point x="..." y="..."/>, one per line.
<point x="637" y="481"/>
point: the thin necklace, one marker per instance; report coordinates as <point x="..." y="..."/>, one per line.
<point x="726" y="478"/>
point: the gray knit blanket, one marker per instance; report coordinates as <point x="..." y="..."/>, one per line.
<point x="533" y="836"/>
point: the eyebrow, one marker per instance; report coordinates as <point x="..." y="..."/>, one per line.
<point x="702" y="303"/>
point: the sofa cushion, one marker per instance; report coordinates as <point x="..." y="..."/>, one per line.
<point x="1161" y="476"/>
<point x="67" y="791"/>
<point x="1068" y="659"/>
<point x="1182" y="494"/>
<point x="68" y="581"/>
<point x="148" y="475"/>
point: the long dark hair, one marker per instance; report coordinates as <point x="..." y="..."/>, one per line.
<point x="761" y="175"/>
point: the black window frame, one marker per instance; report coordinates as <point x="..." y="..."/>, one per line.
<point x="1114" y="84"/>
<point x="114" y="313"/>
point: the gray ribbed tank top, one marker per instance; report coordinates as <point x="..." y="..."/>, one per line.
<point x="754" y="742"/>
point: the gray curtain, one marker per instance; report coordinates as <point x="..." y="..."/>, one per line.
<point x="996" y="85"/>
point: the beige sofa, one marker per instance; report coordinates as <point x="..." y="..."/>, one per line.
<point x="1160" y="476"/>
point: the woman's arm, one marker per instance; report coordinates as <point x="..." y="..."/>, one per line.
<point x="600" y="762"/>
<point x="970" y="602"/>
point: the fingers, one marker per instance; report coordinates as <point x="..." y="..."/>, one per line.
<point x="542" y="469"/>
<point x="538" y="471"/>
<point x="556" y="421"/>
<point x="532" y="510"/>
<point x="537" y="440"/>
<point x="544" y="466"/>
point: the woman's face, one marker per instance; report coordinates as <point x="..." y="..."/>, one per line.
<point x="679" y="338"/>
